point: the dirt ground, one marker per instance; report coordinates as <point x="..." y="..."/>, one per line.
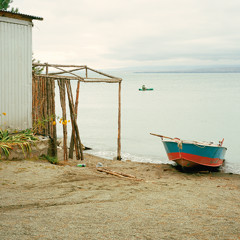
<point x="39" y="200"/>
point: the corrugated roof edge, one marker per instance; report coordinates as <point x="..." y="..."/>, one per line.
<point x="9" y="14"/>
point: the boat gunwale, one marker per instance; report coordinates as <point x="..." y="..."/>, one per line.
<point x="193" y="143"/>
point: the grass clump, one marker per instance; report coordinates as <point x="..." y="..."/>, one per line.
<point x="52" y="160"/>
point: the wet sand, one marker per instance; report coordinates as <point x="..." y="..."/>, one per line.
<point x="43" y="201"/>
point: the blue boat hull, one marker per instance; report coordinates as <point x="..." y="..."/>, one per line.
<point x="192" y="155"/>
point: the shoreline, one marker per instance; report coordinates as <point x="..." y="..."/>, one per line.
<point x="44" y="201"/>
<point x="228" y="167"/>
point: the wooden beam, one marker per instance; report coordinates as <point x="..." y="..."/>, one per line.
<point x="104" y="74"/>
<point x="59" y="65"/>
<point x="94" y="80"/>
<point x="73" y="70"/>
<point x="61" y="77"/>
<point x="69" y="72"/>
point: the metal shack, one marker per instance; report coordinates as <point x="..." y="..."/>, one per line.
<point x="16" y="70"/>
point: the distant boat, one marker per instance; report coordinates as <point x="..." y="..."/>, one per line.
<point x="191" y="154"/>
<point x="145" y="89"/>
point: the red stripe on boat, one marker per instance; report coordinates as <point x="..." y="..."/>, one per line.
<point x="211" y="162"/>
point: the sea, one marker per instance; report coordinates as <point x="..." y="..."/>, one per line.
<point x="190" y="106"/>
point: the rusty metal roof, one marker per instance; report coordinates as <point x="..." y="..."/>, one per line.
<point x="22" y="16"/>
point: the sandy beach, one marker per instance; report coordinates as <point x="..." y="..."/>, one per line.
<point x="40" y="200"/>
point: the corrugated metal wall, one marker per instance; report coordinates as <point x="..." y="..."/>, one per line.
<point x="15" y="73"/>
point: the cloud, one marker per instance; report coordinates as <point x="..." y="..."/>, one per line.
<point x="112" y="33"/>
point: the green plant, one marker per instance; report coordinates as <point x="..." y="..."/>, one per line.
<point x="52" y="160"/>
<point x="5" y="4"/>
<point x="41" y="122"/>
<point x="36" y="69"/>
<point x="22" y="139"/>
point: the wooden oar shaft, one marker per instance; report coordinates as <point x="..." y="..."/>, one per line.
<point x="157" y="135"/>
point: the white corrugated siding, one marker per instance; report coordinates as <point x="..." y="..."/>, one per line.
<point x="15" y="73"/>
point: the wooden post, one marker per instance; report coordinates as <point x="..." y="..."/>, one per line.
<point x="73" y="137"/>
<point x="61" y="85"/>
<point x="46" y="64"/>
<point x="54" y="129"/>
<point x="45" y="107"/>
<point x="86" y="72"/>
<point x="73" y="119"/>
<point x="34" y="110"/>
<point x="119" y="123"/>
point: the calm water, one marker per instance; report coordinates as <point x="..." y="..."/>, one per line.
<point x="203" y="107"/>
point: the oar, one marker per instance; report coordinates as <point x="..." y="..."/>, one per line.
<point x="161" y="136"/>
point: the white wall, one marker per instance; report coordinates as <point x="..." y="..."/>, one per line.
<point x="15" y="73"/>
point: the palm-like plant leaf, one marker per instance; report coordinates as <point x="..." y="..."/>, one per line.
<point x="23" y="139"/>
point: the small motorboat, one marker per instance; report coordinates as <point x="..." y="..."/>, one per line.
<point x="191" y="154"/>
<point x="145" y="89"/>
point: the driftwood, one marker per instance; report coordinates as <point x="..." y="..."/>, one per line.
<point x="122" y="175"/>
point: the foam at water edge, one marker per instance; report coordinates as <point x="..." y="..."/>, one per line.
<point x="232" y="168"/>
<point x="127" y="156"/>
<point x="228" y="168"/>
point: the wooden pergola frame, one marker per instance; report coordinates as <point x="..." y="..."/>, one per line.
<point x="70" y="70"/>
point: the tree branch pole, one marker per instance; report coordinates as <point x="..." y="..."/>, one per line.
<point x="74" y="123"/>
<point x="119" y="122"/>
<point x="62" y="85"/>
<point x="73" y="137"/>
<point x="54" y="133"/>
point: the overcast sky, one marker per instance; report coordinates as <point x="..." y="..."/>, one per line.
<point x="128" y="33"/>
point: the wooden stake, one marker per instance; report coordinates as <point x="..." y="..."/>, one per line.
<point x="73" y="119"/>
<point x="119" y="123"/>
<point x="53" y="114"/>
<point x="61" y="85"/>
<point x="73" y="126"/>
<point x="73" y="139"/>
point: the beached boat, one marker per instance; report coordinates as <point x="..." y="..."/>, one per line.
<point x="191" y="154"/>
<point x="146" y="89"/>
